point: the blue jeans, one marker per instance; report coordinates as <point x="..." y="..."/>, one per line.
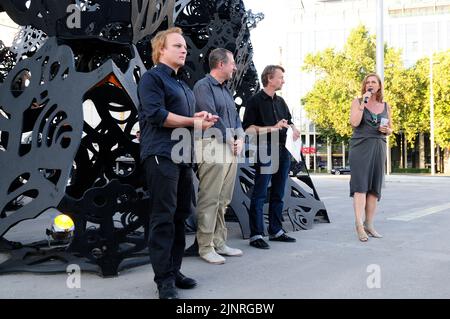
<point x="259" y="196"/>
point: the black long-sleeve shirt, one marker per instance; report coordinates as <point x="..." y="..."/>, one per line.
<point x="161" y="91"/>
<point x="263" y="110"/>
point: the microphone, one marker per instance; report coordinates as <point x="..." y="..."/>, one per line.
<point x="366" y="99"/>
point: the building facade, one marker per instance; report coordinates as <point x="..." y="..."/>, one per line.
<point x="417" y="27"/>
<point x="300" y="27"/>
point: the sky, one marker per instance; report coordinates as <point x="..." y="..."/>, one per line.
<point x="268" y="35"/>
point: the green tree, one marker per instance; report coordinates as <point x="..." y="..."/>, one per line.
<point x="441" y="90"/>
<point x="338" y="80"/>
<point x="339" y="75"/>
<point x="441" y="87"/>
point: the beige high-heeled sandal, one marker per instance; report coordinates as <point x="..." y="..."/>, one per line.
<point x="371" y="231"/>
<point x="362" y="235"/>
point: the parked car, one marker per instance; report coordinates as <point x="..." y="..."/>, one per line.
<point x="340" y="170"/>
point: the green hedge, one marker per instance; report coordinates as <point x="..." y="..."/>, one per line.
<point x="410" y="170"/>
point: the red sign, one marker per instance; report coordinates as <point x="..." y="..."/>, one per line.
<point x="308" y="150"/>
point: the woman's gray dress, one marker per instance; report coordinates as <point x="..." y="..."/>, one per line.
<point x="367" y="155"/>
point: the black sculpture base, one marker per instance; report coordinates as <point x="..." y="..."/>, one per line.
<point x="7" y="245"/>
<point x="40" y="258"/>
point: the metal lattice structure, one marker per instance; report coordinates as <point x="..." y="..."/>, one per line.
<point x="26" y="42"/>
<point x="7" y="61"/>
<point x="302" y="205"/>
<point x="61" y="67"/>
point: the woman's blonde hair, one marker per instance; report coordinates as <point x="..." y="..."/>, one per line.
<point x="379" y="95"/>
<point x="159" y="42"/>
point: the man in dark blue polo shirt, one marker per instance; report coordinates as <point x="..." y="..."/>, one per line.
<point x="267" y="113"/>
<point x="167" y="104"/>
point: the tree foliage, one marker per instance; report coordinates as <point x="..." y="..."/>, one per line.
<point x="339" y="75"/>
<point x="441" y="90"/>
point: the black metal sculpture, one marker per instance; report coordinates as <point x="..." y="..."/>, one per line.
<point x="87" y="56"/>
<point x="38" y="168"/>
<point x="302" y="205"/>
<point x="7" y="61"/>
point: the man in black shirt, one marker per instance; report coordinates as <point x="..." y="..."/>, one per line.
<point x="167" y="103"/>
<point x="267" y="113"/>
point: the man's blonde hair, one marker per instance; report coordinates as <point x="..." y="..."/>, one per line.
<point x="159" y="42"/>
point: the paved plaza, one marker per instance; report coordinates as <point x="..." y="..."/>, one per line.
<point x="328" y="261"/>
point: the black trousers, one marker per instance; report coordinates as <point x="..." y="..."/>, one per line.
<point x="170" y="186"/>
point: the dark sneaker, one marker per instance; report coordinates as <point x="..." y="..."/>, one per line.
<point x="167" y="291"/>
<point x="183" y="282"/>
<point x="284" y="238"/>
<point x="259" y="243"/>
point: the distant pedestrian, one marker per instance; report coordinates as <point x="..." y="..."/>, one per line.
<point x="137" y="139"/>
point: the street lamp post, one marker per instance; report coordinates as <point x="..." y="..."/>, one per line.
<point x="380" y="68"/>
<point x="431" y="116"/>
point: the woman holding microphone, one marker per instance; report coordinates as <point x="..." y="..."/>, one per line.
<point x="371" y="120"/>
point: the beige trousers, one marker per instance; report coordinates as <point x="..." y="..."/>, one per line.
<point x="217" y="173"/>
